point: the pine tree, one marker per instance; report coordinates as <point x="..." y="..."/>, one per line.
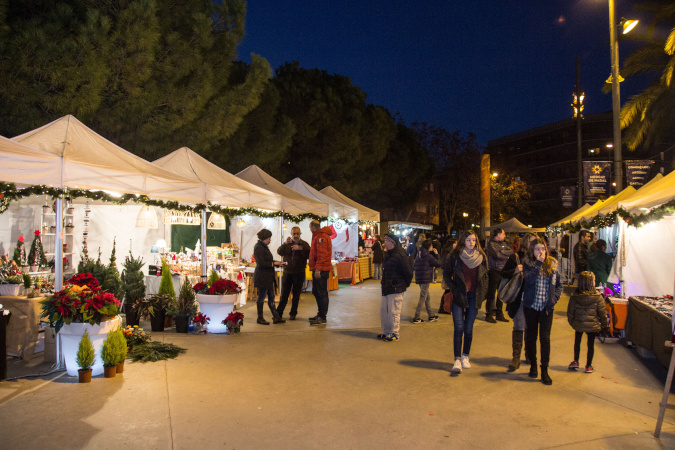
<point x="36" y="256"/>
<point x="20" y="253"/>
<point x="166" y="285"/>
<point x="111" y="277"/>
<point x="85" y="352"/>
<point x="133" y="279"/>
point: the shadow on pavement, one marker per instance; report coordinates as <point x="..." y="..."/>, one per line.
<point x="427" y="364"/>
<point x="359" y="333"/>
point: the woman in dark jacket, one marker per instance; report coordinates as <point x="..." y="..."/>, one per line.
<point x="396" y="277"/>
<point x="600" y="263"/>
<point x="466" y="276"/>
<point x="264" y="277"/>
<point x="513" y="266"/>
<point x="378" y="256"/>
<point x="542" y="288"/>
<point x="586" y="313"/>
<point x="424" y="267"/>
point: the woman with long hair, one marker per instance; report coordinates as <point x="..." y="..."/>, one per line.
<point x="542" y="288"/>
<point x="466" y="276"/>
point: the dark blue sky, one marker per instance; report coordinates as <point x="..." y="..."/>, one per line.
<point x="490" y="67"/>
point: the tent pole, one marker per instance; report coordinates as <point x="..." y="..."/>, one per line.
<point x="205" y="256"/>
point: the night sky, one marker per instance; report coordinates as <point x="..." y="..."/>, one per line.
<point x="493" y="68"/>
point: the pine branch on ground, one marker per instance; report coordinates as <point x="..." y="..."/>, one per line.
<point x="155" y="351"/>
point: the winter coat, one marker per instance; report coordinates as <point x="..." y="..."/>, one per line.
<point x="424" y="266"/>
<point x="508" y="272"/>
<point x="498" y="253"/>
<point x="532" y="271"/>
<point x="586" y="313"/>
<point x="263" y="276"/>
<point x="600" y="263"/>
<point x="396" y="273"/>
<point x="453" y="275"/>
<point x="296" y="259"/>
<point x="378" y="252"/>
<point x="580" y="258"/>
<point x="321" y="252"/>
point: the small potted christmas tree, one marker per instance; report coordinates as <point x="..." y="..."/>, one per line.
<point x="133" y="285"/>
<point x="110" y="355"/>
<point x="112" y="282"/>
<point x="85" y="358"/>
<point x="20" y="254"/>
<point x="36" y="255"/>
<point x="121" y="349"/>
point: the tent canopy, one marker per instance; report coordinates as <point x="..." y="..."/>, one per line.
<point x="292" y="202"/>
<point x="222" y="187"/>
<point x="365" y="213"/>
<point x="92" y="162"/>
<point x="27" y="166"/>
<point x="651" y="195"/>
<point x="609" y="204"/>
<point x="514" y="225"/>
<point x="567" y="218"/>
<point x="335" y="208"/>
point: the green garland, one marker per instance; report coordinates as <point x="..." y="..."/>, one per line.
<point x="635" y="220"/>
<point x="9" y="193"/>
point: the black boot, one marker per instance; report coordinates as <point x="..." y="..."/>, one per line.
<point x="544" y="376"/>
<point x="276" y="317"/>
<point x="261" y="319"/>
<point x="533" y="369"/>
<point x="517" y="345"/>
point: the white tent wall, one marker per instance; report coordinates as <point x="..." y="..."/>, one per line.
<point x="20" y="219"/>
<point x="346" y="241"/>
<point x="250" y="231"/>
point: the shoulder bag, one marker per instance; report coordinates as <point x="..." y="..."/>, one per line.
<point x="509" y="292"/>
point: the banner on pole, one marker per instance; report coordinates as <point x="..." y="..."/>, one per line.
<point x="567" y="195"/>
<point x="597" y="180"/>
<point x="637" y="172"/>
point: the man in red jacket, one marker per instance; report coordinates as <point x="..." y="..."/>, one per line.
<point x="320" y="264"/>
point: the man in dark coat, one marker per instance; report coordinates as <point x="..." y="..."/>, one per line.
<point x="498" y="252"/>
<point x="396" y="277"/>
<point x="294" y="252"/>
<point x="581" y="253"/>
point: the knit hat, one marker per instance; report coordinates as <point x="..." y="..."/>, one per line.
<point x="392" y="237"/>
<point x="264" y="234"/>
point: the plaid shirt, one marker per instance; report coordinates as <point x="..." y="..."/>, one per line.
<point x="541" y="294"/>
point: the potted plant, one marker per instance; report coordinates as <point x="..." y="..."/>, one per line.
<point x="234" y="322"/>
<point x="36" y="255"/>
<point x="154" y="306"/>
<point x="109" y="355"/>
<point x="120" y="349"/>
<point x="85" y="358"/>
<point x="11" y="278"/>
<point x="166" y="288"/>
<point x="183" y="308"/>
<point x="216" y="297"/>
<point x="135" y="335"/>
<point x="81" y="305"/>
<point x="133" y="286"/>
<point x="200" y="321"/>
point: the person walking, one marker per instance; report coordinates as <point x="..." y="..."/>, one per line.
<point x="513" y="266"/>
<point x="294" y="252"/>
<point x="542" y="288"/>
<point x="425" y="265"/>
<point x="264" y="277"/>
<point x="378" y="256"/>
<point x="586" y="313"/>
<point x="581" y="253"/>
<point x="498" y="252"/>
<point x="466" y="276"/>
<point x="600" y="263"/>
<point x="396" y="277"/>
<point x="320" y="255"/>
<point x="436" y="244"/>
<point x="448" y="247"/>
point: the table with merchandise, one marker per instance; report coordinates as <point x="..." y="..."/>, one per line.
<point x="649" y="325"/>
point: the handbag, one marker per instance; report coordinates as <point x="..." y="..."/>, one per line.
<point x="447" y="301"/>
<point x="509" y="292"/>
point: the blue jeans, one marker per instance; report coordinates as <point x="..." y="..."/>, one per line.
<point x="377" y="271"/>
<point x="463" y="320"/>
<point x="269" y="293"/>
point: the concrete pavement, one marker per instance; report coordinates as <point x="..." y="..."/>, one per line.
<point x="294" y="385"/>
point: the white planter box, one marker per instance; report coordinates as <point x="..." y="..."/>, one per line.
<point x="217" y="308"/>
<point x="70" y="335"/>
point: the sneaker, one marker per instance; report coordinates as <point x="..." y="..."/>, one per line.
<point x="314" y="318"/>
<point x="381" y="336"/>
<point x="391" y="338"/>
<point x="433" y="318"/>
<point x="490" y="319"/>
<point x="465" y="362"/>
<point x="457" y="368"/>
<point x="417" y="320"/>
<point x="589" y="369"/>
<point x="573" y="365"/>
<point x="318" y="321"/>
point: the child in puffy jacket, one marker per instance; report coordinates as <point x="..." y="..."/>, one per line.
<point x="586" y="313"/>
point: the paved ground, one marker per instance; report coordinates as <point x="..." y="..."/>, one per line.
<point x="336" y="386"/>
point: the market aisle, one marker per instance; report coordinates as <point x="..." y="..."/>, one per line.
<point x="297" y="386"/>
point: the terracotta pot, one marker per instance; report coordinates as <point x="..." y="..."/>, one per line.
<point x="109" y="371"/>
<point x="120" y="367"/>
<point x="84" y="375"/>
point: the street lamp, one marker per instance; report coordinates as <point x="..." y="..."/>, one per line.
<point x="465" y="216"/>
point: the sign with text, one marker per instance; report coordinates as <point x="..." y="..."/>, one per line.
<point x="597" y="180"/>
<point x="567" y="195"/>
<point x="637" y="172"/>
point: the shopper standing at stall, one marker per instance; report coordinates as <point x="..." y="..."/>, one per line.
<point x="264" y="278"/>
<point x="581" y="253"/>
<point x="466" y="276"/>
<point x="600" y="263"/>
<point x="542" y="288"/>
<point x="320" y="256"/>
<point x="294" y="252"/>
<point x="378" y="256"/>
<point x="498" y="252"/>
<point x="396" y="277"/>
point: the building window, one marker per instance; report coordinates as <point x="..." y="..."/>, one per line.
<point x="431" y="187"/>
<point x="421" y="207"/>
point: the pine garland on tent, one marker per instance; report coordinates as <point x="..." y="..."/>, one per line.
<point x="36" y="255"/>
<point x="20" y="253"/>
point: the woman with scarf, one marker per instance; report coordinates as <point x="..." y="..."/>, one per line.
<point x="466" y="276"/>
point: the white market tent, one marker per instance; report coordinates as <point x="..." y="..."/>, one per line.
<point x="222" y="187"/>
<point x="26" y="166"/>
<point x="607" y="204"/>
<point x="651" y="196"/>
<point x="365" y="213"/>
<point x="336" y="208"/>
<point x="637" y="192"/>
<point x="514" y="225"/>
<point x="569" y="217"/>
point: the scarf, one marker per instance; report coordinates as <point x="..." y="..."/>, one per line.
<point x="473" y="259"/>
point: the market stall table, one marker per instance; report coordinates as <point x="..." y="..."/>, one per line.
<point x="348" y="270"/>
<point x="22" y="331"/>
<point x="648" y="325"/>
<point x="152" y="283"/>
<point x="332" y="277"/>
<point x="366" y="267"/>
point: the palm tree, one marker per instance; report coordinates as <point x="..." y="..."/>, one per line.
<point x="647" y="116"/>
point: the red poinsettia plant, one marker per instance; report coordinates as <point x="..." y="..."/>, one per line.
<point x="80" y="302"/>
<point x="234" y="322"/>
<point x="217" y="287"/>
<point x="201" y="319"/>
